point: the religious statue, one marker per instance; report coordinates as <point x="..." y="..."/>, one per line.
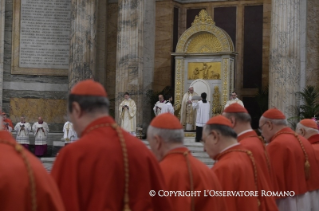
<point x="188" y="114"/>
<point x="196" y="73"/>
<point x="214" y="75"/>
<point x="208" y="71"/>
<point x="127" y="111"/>
<point x="205" y="71"/>
<point x="217" y="108"/>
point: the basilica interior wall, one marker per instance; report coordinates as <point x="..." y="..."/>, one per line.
<point x="312" y="45"/>
<point x="29" y="94"/>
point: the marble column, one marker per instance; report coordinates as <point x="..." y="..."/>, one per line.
<point x="83" y="40"/>
<point x="285" y="56"/>
<point x="135" y="55"/>
<point x="2" y="13"/>
<point x="312" y="58"/>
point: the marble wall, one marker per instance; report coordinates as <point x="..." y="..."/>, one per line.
<point x="28" y="86"/>
<point x="52" y="111"/>
<point x="2" y="16"/>
<point x="312" y="45"/>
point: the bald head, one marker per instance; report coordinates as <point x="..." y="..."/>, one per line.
<point x="306" y="132"/>
<point x="163" y="140"/>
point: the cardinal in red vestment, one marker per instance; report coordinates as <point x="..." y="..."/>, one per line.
<point x="248" y="138"/>
<point x="7" y="122"/>
<point x="24" y="184"/>
<point x="184" y="174"/>
<point x="107" y="168"/>
<point x="236" y="168"/>
<point x="293" y="161"/>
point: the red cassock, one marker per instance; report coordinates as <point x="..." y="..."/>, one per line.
<point x="175" y="167"/>
<point x="15" y="187"/>
<point x="9" y="122"/>
<point x="288" y="162"/>
<point x="314" y="140"/>
<point x="251" y="141"/>
<point x="90" y="172"/>
<point x="236" y="172"/>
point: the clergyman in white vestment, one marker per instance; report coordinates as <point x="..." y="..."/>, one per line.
<point x="203" y="109"/>
<point x="23" y="129"/>
<point x="69" y="135"/>
<point x="127" y="113"/>
<point x="158" y="105"/>
<point x="188" y="114"/>
<point x="41" y="131"/>
<point x="233" y="99"/>
<point x="168" y="107"/>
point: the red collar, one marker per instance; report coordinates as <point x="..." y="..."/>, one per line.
<point x="247" y="135"/>
<point x="101" y="120"/>
<point x="314" y="139"/>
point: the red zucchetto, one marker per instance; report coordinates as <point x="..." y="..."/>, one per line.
<point x="219" y="120"/>
<point x="274" y="113"/>
<point x="89" y="88"/>
<point x="166" y="121"/>
<point x="235" y="108"/>
<point x="309" y="123"/>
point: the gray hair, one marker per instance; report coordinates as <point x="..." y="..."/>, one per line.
<point x="307" y="129"/>
<point x="169" y="136"/>
<point x="276" y="121"/>
<point x="242" y="117"/>
<point x="223" y="129"/>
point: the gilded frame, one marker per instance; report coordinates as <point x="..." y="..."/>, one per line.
<point x="204" y="23"/>
<point x="15" y="69"/>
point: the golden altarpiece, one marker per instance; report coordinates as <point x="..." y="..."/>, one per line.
<point x="205" y="60"/>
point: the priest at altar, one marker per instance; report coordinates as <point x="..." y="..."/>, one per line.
<point x="127" y="111"/>
<point x="188" y="114"/>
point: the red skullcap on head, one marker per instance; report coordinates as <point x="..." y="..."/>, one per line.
<point x="235" y="108"/>
<point x="274" y="113"/>
<point x="219" y="120"/>
<point x="89" y="88"/>
<point x="309" y="123"/>
<point x="166" y="121"/>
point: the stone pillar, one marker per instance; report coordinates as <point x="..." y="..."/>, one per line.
<point x="2" y="13"/>
<point x="135" y="55"/>
<point x="83" y="40"/>
<point x="285" y="59"/>
<point x="312" y="56"/>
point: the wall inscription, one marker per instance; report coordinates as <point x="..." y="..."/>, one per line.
<point x="41" y="37"/>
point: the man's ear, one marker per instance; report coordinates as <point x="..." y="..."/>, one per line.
<point x="76" y="109"/>
<point x="216" y="136"/>
<point x="233" y="121"/>
<point x="302" y="131"/>
<point x="158" y="142"/>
